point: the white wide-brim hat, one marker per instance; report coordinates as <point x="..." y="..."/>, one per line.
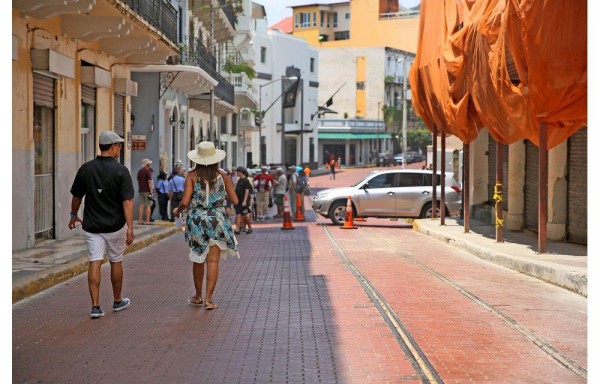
<point x="206" y="154"/>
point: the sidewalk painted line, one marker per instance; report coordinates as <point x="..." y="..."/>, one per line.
<point x="411" y="349"/>
<point x="545" y="346"/>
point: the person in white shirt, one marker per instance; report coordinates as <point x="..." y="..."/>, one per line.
<point x="292" y="181"/>
<point x="279" y="191"/>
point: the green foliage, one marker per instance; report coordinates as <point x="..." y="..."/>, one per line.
<point x="419" y="138"/>
<point x="231" y="67"/>
<point x="391" y="117"/>
<point x="389" y="79"/>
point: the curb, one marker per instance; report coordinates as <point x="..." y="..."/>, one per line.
<point x="59" y="274"/>
<point x="570" y="280"/>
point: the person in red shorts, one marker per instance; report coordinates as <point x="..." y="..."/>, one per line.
<point x="263" y="186"/>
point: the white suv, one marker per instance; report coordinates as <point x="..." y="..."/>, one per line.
<point x="400" y="193"/>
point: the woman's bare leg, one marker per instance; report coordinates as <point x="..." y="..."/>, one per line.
<point x="212" y="272"/>
<point x="198" y="273"/>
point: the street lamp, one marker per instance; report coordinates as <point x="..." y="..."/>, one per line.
<point x="377" y="127"/>
<point x="262" y="113"/>
<point x="404" y="141"/>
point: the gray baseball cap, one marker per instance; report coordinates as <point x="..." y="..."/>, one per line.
<point x="109" y="137"/>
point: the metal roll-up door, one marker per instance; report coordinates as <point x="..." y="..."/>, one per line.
<point x="43" y="90"/>
<point x="119" y="115"/>
<point x="88" y="94"/>
<point x="492" y="172"/>
<point x="531" y="185"/>
<point x="577" y="188"/>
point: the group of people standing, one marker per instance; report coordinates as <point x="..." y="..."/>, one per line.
<point x="168" y="189"/>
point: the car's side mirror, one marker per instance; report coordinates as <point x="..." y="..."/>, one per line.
<point x="365" y="186"/>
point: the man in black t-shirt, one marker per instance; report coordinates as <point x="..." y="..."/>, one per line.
<point x="107" y="216"/>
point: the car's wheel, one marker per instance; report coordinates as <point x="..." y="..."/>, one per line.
<point x="337" y="212"/>
<point x="427" y="211"/>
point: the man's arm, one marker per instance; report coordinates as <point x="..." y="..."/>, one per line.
<point x="128" y="209"/>
<point x="75" y="204"/>
<point x="150" y="184"/>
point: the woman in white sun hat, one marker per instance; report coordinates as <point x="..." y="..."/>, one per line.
<point x="208" y="231"/>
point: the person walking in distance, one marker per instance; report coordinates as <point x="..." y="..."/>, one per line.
<point x="144" y="178"/>
<point x="209" y="233"/>
<point x="263" y="188"/>
<point x="107" y="216"/>
<point x="243" y="190"/>
<point x="332" y="169"/>
<point x="176" y="186"/>
<point x="292" y="181"/>
<point x="162" y="188"/>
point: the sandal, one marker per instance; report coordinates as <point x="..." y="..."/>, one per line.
<point x="236" y="232"/>
<point x="195" y="301"/>
<point x="208" y="305"/>
<point x="249" y="231"/>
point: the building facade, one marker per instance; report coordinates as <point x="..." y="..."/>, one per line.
<point x="71" y="71"/>
<point x="283" y="63"/>
<point x="361" y="74"/>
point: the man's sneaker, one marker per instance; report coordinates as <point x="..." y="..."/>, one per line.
<point x="96" y="313"/>
<point x="122" y="305"/>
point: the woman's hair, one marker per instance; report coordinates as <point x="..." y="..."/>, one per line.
<point x="207" y="173"/>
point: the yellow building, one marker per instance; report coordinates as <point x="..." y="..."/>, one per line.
<point x="357" y="23"/>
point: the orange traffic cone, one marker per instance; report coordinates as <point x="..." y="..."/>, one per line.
<point x="299" y="214"/>
<point x="287" y="219"/>
<point x="348" y="222"/>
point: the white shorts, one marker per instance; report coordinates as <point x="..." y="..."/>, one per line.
<point x="99" y="243"/>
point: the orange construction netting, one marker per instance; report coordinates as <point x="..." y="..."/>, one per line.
<point x="507" y="65"/>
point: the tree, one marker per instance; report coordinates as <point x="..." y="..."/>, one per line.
<point x="419" y="138"/>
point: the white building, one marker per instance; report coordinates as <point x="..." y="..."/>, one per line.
<point x="280" y="55"/>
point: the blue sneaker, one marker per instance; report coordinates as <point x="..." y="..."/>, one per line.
<point x="96" y="313"/>
<point x="122" y="305"/>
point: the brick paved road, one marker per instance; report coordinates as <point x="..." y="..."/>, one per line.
<point x="293" y="311"/>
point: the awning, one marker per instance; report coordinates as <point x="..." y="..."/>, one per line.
<point x="188" y="79"/>
<point x="354" y="136"/>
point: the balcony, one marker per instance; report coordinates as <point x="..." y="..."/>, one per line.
<point x="217" y="14"/>
<point x="135" y="31"/>
<point x="158" y="13"/>
<point x="245" y="95"/>
<point x="198" y="55"/>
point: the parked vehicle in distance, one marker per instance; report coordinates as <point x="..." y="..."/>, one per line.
<point x="385" y="160"/>
<point x="398" y="158"/>
<point x="414" y="157"/>
<point x="398" y="193"/>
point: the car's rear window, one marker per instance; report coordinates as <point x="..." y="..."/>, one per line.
<point x="427" y="179"/>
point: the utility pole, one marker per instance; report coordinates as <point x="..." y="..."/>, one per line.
<point x="404" y="139"/>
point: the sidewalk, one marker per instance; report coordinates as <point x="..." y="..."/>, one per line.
<point x="55" y="261"/>
<point x="564" y="265"/>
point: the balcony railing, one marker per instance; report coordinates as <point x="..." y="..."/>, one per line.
<point x="400" y="15"/>
<point x="224" y="90"/>
<point x="228" y="11"/>
<point x="198" y="55"/>
<point x="158" y="13"/>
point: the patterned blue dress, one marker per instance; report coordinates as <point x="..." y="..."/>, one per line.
<point x="207" y="224"/>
